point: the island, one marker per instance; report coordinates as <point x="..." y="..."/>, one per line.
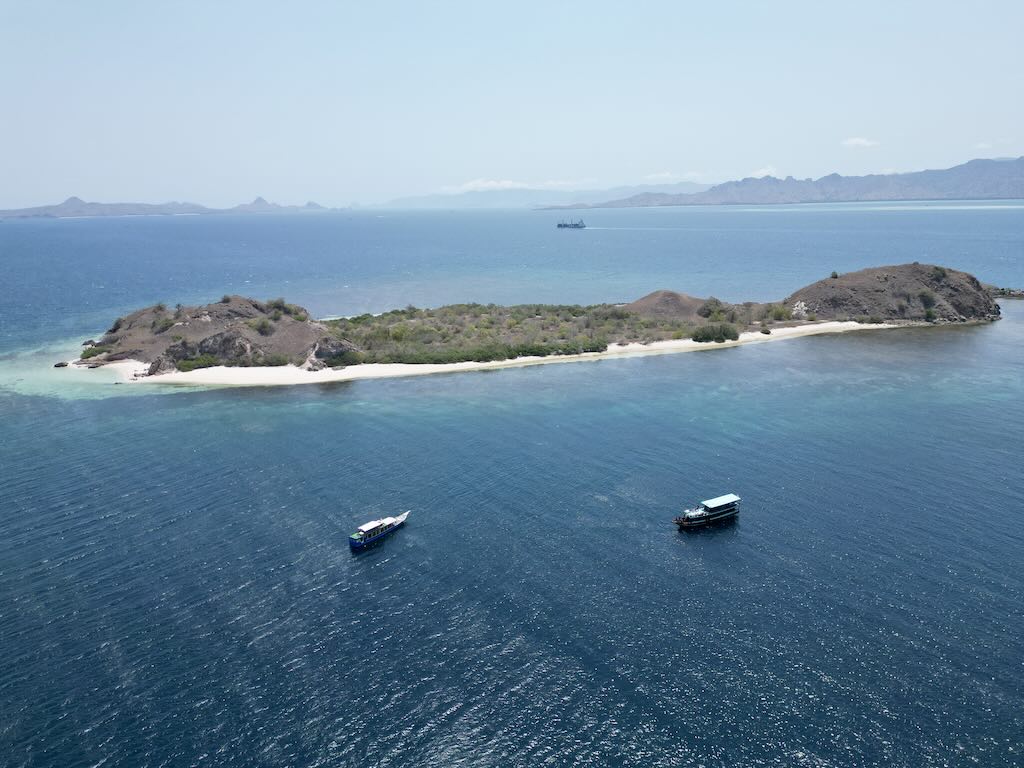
<point x="981" y="179"/>
<point x="77" y="208"/>
<point x="240" y="340"/>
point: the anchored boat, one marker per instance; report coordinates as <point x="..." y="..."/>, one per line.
<point x="375" y="530"/>
<point x="710" y="511"/>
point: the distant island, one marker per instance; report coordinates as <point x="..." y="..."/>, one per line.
<point x="1000" y="179"/>
<point x="997" y="179"/>
<point x="75" y="207"/>
<point x="171" y="343"/>
<point x="526" y="198"/>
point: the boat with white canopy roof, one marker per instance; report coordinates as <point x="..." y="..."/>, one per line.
<point x="710" y="511"/>
<point x="368" y="533"/>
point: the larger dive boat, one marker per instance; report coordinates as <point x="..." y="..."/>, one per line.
<point x="375" y="530"/>
<point x="710" y="511"/>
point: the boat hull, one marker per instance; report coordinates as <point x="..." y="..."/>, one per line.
<point x="358" y="545"/>
<point x="699" y="522"/>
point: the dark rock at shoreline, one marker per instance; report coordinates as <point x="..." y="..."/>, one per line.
<point x="333" y="348"/>
<point x="128" y="354"/>
<point x="161" y="365"/>
<point x="60" y="365"/>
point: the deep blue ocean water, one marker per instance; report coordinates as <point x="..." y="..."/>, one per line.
<point x="176" y="587"/>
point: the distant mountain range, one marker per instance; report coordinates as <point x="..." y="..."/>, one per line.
<point x="536" y="198"/>
<point x="1001" y="178"/>
<point x="76" y="207"/>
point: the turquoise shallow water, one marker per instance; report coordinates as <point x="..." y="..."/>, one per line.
<point x="176" y="589"/>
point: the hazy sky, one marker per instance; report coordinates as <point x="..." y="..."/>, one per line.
<point x="217" y="102"/>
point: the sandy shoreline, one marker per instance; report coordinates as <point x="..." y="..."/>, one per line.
<point x="221" y="376"/>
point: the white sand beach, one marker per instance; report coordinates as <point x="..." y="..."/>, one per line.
<point x="133" y="371"/>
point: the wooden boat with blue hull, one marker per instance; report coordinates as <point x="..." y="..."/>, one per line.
<point x="375" y="530"/>
<point x="710" y="511"/>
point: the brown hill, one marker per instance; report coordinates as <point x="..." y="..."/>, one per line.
<point x="667" y="304"/>
<point x="905" y="292"/>
<point x="233" y="331"/>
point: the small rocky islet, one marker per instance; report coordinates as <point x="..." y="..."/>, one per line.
<point x="240" y="331"/>
<point x="233" y="331"/>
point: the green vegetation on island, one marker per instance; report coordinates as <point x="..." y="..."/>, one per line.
<point x="239" y="331"/>
<point x="484" y="332"/>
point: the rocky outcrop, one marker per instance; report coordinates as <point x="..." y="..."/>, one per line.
<point x="914" y="292"/>
<point x="332" y="347"/>
<point x="227" y="345"/>
<point x="162" y="364"/>
<point x="234" y="331"/>
<point x="124" y="354"/>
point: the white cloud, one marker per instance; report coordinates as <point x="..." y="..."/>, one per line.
<point x="485" y="185"/>
<point x="565" y="183"/>
<point x="983" y="145"/>
<point x="670" y="176"/>
<point x="768" y="170"/>
<point x="490" y="185"/>
<point x="860" y="141"/>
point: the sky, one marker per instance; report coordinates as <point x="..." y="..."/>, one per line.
<point x="346" y="102"/>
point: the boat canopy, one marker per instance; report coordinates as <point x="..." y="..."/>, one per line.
<point x="720" y="501"/>
<point x="375" y="524"/>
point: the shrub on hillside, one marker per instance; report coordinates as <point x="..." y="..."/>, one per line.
<point x="203" y="361"/>
<point x="349" y="357"/>
<point x="263" y="326"/>
<point x="162" y="324"/>
<point x="717" y="332"/>
<point x="710" y="307"/>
